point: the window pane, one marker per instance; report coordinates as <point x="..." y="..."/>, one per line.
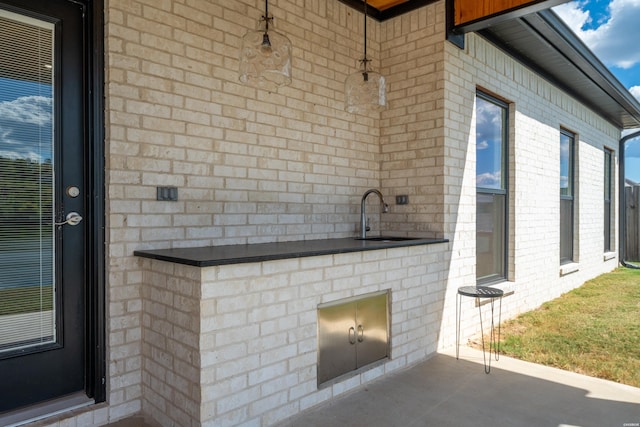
<point x="607" y="175"/>
<point x="566" y="165"/>
<point x="607" y="226"/>
<point x="490" y="135"/>
<point x="566" y="196"/>
<point x="608" y="189"/>
<point x="491" y="188"/>
<point x="566" y="231"/>
<point x="490" y="236"/>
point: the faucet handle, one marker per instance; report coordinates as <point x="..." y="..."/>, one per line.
<point x="367" y="228"/>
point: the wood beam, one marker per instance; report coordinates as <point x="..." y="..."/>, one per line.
<point x="473" y="15"/>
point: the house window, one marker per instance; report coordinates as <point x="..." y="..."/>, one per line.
<point x="608" y="191"/>
<point x="567" y="143"/>
<point x="491" y="188"/>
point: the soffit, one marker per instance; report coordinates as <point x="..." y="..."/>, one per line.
<point x="543" y="42"/>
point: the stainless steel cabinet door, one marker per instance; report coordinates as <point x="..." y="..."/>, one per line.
<point x="352" y="334"/>
<point x="336" y="340"/>
<point x="371" y="330"/>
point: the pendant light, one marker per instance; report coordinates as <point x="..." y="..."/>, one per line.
<point x="365" y="90"/>
<point x="265" y="56"/>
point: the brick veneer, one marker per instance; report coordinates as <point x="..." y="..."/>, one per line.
<point x="237" y="344"/>
<point x="252" y="166"/>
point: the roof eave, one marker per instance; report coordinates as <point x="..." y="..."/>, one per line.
<point x="564" y="52"/>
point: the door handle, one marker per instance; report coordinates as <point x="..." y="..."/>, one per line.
<point x="73" y="218"/>
<point x="360" y="333"/>
<point x="352" y="340"/>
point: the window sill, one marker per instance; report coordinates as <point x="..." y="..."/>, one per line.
<point x="569" y="268"/>
<point x="503" y="284"/>
<point x="609" y="255"/>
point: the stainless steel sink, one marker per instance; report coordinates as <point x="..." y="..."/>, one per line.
<point x="388" y="238"/>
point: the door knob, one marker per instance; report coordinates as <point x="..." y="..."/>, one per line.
<point x="73" y="218"/>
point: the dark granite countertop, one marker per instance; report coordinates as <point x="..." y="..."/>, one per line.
<point x="237" y="254"/>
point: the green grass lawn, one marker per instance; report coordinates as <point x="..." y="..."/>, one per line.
<point x="593" y="330"/>
<point x="25" y="300"/>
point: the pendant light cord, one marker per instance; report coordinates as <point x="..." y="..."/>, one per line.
<point x="365" y="32"/>
<point x="365" y="60"/>
<point x="266" y="16"/>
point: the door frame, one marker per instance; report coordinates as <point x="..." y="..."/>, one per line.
<point x="95" y="384"/>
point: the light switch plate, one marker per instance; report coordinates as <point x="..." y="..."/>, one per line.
<point x="167" y="194"/>
<point x="402" y="199"/>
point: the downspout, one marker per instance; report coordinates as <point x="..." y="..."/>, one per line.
<point x="622" y="228"/>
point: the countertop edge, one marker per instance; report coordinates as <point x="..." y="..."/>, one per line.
<point x="210" y="256"/>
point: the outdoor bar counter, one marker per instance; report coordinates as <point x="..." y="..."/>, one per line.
<point x="238" y="324"/>
<point x="210" y="256"/>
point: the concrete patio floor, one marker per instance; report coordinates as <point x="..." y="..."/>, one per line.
<point x="444" y="392"/>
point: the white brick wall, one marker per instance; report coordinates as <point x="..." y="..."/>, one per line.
<point x="253" y="166"/>
<point x="537" y="113"/>
<point x="412" y="134"/>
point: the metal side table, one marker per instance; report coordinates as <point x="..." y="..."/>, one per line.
<point x="478" y="292"/>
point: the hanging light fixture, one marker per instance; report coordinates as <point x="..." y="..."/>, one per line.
<point x="265" y="56"/>
<point x="365" y="90"/>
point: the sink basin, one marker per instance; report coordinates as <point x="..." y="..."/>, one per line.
<point x="388" y="238"/>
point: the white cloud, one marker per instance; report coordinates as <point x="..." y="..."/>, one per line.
<point x="488" y="122"/>
<point x="25" y="128"/>
<point x="489" y="180"/>
<point x="27" y="109"/>
<point x="482" y="145"/>
<point x="610" y="41"/>
<point x="34" y="157"/>
<point x="635" y="91"/>
<point x="573" y="15"/>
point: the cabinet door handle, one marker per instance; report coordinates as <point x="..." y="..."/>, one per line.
<point x="352" y="338"/>
<point x="360" y="333"/>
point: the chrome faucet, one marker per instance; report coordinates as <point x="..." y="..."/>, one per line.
<point x="364" y="227"/>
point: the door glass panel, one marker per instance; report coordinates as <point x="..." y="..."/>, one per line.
<point x="27" y="287"/>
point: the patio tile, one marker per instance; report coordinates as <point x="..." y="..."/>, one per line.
<point x="445" y="392"/>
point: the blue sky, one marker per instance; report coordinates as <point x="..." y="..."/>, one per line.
<point x="611" y="29"/>
<point x="489" y="132"/>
